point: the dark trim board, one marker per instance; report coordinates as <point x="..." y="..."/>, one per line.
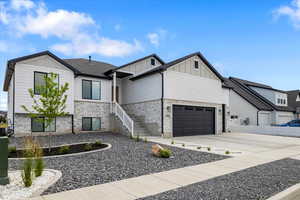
<point x="193" y="120"/>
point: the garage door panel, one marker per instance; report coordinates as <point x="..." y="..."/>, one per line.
<point x="193" y="120"/>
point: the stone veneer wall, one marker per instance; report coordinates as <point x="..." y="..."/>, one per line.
<point x="149" y="111"/>
<point x="168" y="114"/>
<point x="23" y="125"/>
<point x="91" y="109"/>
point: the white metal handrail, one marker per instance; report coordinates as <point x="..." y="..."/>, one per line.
<point x="123" y="116"/>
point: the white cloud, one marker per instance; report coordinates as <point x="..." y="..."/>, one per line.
<point x="19" y="4"/>
<point x="291" y="11"/>
<point x="78" y="31"/>
<point x="156" y="37"/>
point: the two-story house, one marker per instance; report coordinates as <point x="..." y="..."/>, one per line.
<point x="257" y="104"/>
<point x="186" y="96"/>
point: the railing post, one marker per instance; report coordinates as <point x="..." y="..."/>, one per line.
<point x="132" y="128"/>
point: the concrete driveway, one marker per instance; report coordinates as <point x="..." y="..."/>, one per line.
<point x="234" y="142"/>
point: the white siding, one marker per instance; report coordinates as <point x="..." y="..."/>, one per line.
<point x="24" y="75"/>
<point x="10" y="101"/>
<point x="145" y="89"/>
<point x="187" y="66"/>
<point x="141" y="66"/>
<point x="184" y="86"/>
<point x="242" y="108"/>
<point x="271" y="95"/>
<point x="106" y="89"/>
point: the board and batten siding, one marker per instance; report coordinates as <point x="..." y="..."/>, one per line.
<point x="106" y="89"/>
<point x="141" y="66"/>
<point x="141" y="90"/>
<point x="24" y="80"/>
<point x="188" y="87"/>
<point x="188" y="66"/>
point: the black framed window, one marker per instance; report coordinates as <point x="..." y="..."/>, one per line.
<point x="196" y="64"/>
<point x="91" y="89"/>
<point x="152" y="61"/>
<point x="39" y="125"/>
<point x="91" y="123"/>
<point x="39" y="81"/>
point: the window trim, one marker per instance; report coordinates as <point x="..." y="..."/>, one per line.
<point x="43" y="125"/>
<point x="91" y="119"/>
<point x="91" y="81"/>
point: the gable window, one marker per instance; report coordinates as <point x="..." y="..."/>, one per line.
<point x="91" y="123"/>
<point x="39" y="81"/>
<point x="91" y="89"/>
<point x="39" y="125"/>
<point x="196" y="64"/>
<point x="153" y="61"/>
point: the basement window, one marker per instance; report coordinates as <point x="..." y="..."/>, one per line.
<point x="91" y="123"/>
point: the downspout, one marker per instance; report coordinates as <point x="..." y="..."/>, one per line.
<point x="14" y="102"/>
<point x="72" y="118"/>
<point x="257" y="118"/>
<point x="162" y="102"/>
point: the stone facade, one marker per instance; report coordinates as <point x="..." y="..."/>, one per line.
<point x="23" y="125"/>
<point x="168" y="114"/>
<point x="149" y="112"/>
<point x="91" y="109"/>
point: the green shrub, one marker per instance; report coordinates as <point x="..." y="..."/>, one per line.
<point x="183" y="145"/>
<point x="88" y="147"/>
<point x="27" y="172"/>
<point x="172" y="142"/>
<point x="137" y="138"/>
<point x="39" y="166"/>
<point x="98" y="143"/>
<point x="208" y="148"/>
<point x="199" y="147"/>
<point x="227" y="152"/>
<point x="64" y="149"/>
<point x="145" y="140"/>
<point x="131" y="137"/>
<point x="165" y="153"/>
<point x="12" y="149"/>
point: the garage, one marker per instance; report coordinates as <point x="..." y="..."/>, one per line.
<point x="193" y="120"/>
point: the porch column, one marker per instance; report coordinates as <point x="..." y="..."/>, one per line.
<point x="114" y="87"/>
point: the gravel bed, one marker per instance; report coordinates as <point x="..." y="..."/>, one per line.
<point x="125" y="159"/>
<point x="257" y="183"/>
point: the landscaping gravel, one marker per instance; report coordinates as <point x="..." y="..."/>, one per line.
<point x="125" y="159"/>
<point x="260" y="182"/>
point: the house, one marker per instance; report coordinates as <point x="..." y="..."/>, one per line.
<point x="258" y="104"/>
<point x="294" y="101"/>
<point x="186" y="96"/>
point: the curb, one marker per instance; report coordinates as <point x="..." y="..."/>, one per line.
<point x="291" y="193"/>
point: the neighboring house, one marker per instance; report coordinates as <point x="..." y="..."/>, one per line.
<point x="258" y="104"/>
<point x="294" y="101"/>
<point x="184" y="97"/>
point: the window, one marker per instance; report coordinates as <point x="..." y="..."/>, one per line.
<point x="91" y="123"/>
<point x="283" y="101"/>
<point x="91" y="90"/>
<point x="39" y="125"/>
<point x="39" y="81"/>
<point x="153" y="61"/>
<point x="196" y="64"/>
<point x="278" y="101"/>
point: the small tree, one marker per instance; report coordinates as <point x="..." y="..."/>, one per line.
<point x="51" y="102"/>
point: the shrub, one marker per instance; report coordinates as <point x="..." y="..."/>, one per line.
<point x="27" y="172"/>
<point x="172" y="142"/>
<point x="199" y="147"/>
<point x="165" y="153"/>
<point x="12" y="149"/>
<point x="131" y="137"/>
<point x="145" y="140"/>
<point x="39" y="166"/>
<point x="183" y="145"/>
<point x="208" y="148"/>
<point x="64" y="149"/>
<point x="88" y="147"/>
<point x="98" y="143"/>
<point x="137" y="138"/>
<point x="227" y="152"/>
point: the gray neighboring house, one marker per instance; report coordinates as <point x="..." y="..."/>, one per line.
<point x="294" y="101"/>
<point x="258" y="104"/>
<point x="147" y="96"/>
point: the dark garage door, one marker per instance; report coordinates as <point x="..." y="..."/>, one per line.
<point x="193" y="120"/>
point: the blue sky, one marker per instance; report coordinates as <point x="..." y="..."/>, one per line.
<point x="257" y="40"/>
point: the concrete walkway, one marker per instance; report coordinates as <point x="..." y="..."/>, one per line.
<point x="152" y="184"/>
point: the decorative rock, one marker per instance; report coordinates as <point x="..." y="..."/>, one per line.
<point x="156" y="149"/>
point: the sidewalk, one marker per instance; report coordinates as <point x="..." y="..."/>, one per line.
<point x="152" y="184"/>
